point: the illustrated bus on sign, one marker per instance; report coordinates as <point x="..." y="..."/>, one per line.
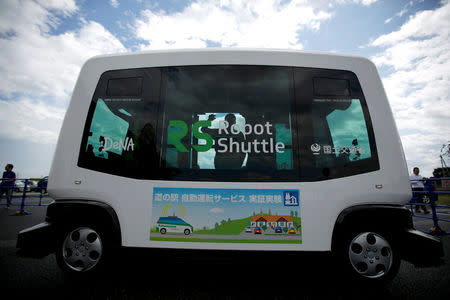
<point x="173" y="224"/>
<point x="284" y="137"/>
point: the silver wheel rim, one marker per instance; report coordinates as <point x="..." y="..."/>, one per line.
<point x="82" y="249"/>
<point x="370" y="255"/>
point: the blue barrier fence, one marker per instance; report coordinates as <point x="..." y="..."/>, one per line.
<point x="25" y="190"/>
<point x="428" y="198"/>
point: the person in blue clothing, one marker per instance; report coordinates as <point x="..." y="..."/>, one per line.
<point x="7" y="185"/>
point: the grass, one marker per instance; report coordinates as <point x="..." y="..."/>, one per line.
<point x="233" y="227"/>
<point x="443" y="199"/>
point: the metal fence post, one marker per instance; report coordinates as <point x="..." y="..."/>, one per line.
<point x="435" y="230"/>
<point x="22" y="211"/>
<point x="412" y="203"/>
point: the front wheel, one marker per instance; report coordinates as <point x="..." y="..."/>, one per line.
<point x="371" y="256"/>
<point x="187" y="232"/>
<point x="80" y="249"/>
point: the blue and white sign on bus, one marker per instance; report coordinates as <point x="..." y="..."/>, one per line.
<point x="227" y="215"/>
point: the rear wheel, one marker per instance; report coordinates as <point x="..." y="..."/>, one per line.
<point x="163" y="231"/>
<point x="371" y="255"/>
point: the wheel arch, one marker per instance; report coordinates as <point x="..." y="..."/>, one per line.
<point x="394" y="219"/>
<point x="65" y="212"/>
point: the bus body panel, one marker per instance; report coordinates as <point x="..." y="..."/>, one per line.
<point x="321" y="202"/>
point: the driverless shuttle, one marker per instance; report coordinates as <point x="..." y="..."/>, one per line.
<point x="255" y="150"/>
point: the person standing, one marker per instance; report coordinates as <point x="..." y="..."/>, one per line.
<point x="417" y="185"/>
<point x="7" y="185"/>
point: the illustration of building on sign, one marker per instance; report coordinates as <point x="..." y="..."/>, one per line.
<point x="290" y="199"/>
<point x="272" y="221"/>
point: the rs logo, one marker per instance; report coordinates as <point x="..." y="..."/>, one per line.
<point x="175" y="136"/>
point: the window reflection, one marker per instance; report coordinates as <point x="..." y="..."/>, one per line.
<point x="108" y="132"/>
<point x="237" y="118"/>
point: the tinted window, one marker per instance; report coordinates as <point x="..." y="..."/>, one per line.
<point x="228" y="123"/>
<point x="340" y="132"/>
<point x="124" y="87"/>
<point x="336" y="132"/>
<point x="120" y="134"/>
<point x="331" y="87"/>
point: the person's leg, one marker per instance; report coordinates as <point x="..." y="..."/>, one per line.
<point x="417" y="199"/>
<point x="424" y="207"/>
<point x="417" y="207"/>
<point x="420" y="199"/>
<point x="8" y="196"/>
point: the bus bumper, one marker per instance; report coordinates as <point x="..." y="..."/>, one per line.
<point x="37" y="241"/>
<point x="421" y="249"/>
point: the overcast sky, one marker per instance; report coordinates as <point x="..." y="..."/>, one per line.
<point x="43" y="44"/>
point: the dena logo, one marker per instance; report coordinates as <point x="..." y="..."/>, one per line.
<point x="108" y="144"/>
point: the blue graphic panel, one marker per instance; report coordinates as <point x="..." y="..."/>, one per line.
<point x="226" y="197"/>
<point x="291" y="198"/>
<point x="226" y="215"/>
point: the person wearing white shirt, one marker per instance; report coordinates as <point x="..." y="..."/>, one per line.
<point x="417" y="185"/>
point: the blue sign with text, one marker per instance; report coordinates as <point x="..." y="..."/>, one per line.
<point x="291" y="198"/>
<point x="226" y="215"/>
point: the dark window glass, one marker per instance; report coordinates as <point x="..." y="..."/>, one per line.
<point x="118" y="87"/>
<point x="336" y="132"/>
<point x="340" y="131"/>
<point x="228" y="123"/>
<point x="331" y="87"/>
<point x="120" y="133"/>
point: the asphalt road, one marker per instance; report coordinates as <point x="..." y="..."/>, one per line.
<point x="139" y="274"/>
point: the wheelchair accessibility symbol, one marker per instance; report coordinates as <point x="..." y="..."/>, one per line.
<point x="291" y="198"/>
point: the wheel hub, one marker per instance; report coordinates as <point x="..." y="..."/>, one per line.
<point x="82" y="249"/>
<point x="370" y="255"/>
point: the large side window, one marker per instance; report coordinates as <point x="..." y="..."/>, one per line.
<point x="337" y="136"/>
<point x="120" y="133"/>
<point x="349" y="132"/>
<point x="340" y="132"/>
<point x="228" y="123"/>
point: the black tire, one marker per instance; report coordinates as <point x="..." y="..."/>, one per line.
<point x="370" y="255"/>
<point x="187" y="232"/>
<point x="162" y="231"/>
<point x="82" y="250"/>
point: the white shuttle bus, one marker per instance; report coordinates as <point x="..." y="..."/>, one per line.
<point x="255" y="150"/>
